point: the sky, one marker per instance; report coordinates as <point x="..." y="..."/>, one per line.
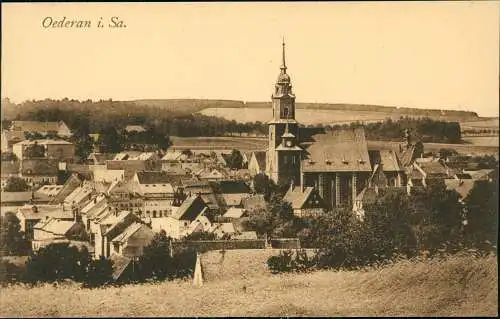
<point x="442" y="55"/>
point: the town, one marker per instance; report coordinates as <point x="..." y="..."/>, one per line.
<point x="113" y="203"/>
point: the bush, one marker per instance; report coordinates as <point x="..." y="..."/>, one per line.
<point x="57" y="262"/>
<point x="99" y="273"/>
<point x="280" y="263"/>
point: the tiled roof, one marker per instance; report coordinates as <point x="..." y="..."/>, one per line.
<point x="337" y="151"/>
<point x="260" y="157"/>
<point x="234" y="213"/>
<point x="43" y="211"/>
<point x="101" y="158"/>
<point x="69" y="186"/>
<point x="386" y="158"/>
<point x="433" y="168"/>
<point x="119" y="264"/>
<point x="405" y="154"/>
<point x="14" y="136"/>
<point x="45" y="142"/>
<point x="172" y="156"/>
<point x="232" y="187"/>
<point x="154" y="177"/>
<point x="58" y="227"/>
<point x="246" y="235"/>
<point x="17" y="197"/>
<point x="129" y="231"/>
<point x="463" y="187"/>
<point x="233" y="199"/>
<point x="135" y="128"/>
<point x="34" y="126"/>
<point x="297" y="197"/>
<point x="190" y="208"/>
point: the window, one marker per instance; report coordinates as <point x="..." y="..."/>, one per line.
<point x="154" y="214"/>
<point x="293" y="159"/>
<point x="285" y="159"/>
<point x="285" y="112"/>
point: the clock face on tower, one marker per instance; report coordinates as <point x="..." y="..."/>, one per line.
<point x="288" y="143"/>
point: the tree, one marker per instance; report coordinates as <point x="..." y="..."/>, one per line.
<point x="444" y="153"/>
<point x="83" y="145"/>
<point x="99" y="273"/>
<point x="482" y="213"/>
<point x="56" y="262"/>
<point x="110" y="141"/>
<point x="235" y="160"/>
<point x="34" y="150"/>
<point x="16" y="184"/>
<point x="12" y="239"/>
<point x="262" y="184"/>
<point x="201" y="235"/>
<point x="156" y="261"/>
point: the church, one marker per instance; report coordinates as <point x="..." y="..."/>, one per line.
<point x="337" y="164"/>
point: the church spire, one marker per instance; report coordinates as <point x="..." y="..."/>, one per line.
<point x="283" y="64"/>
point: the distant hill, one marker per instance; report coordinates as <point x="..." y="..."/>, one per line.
<point x="189" y="106"/>
<point x="194" y="105"/>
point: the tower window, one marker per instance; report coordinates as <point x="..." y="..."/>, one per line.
<point x="285" y="112"/>
<point x="293" y="159"/>
<point x="285" y="158"/>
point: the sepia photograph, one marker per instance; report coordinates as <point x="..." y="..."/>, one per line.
<point x="251" y="159"/>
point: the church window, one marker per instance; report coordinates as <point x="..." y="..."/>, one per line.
<point x="285" y="159"/>
<point x="285" y="112"/>
<point x="293" y="159"/>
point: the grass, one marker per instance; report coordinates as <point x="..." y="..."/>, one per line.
<point x="456" y="286"/>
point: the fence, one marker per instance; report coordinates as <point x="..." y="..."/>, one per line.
<point x="206" y="245"/>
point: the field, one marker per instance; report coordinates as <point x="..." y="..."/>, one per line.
<point x="479" y="146"/>
<point x="306" y="116"/>
<point x="332" y="116"/>
<point x="457" y="286"/>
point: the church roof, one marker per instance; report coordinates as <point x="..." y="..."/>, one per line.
<point x="343" y="150"/>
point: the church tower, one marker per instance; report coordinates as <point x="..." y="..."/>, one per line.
<point x="284" y="152"/>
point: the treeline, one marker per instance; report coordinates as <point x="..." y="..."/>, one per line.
<point x="429" y="221"/>
<point x="94" y="117"/>
<point x="423" y="129"/>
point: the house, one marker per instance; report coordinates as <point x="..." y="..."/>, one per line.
<point x="211" y="175"/>
<point x="461" y="186"/>
<point x="110" y="175"/>
<point x="59" y="128"/>
<point x="135" y="128"/>
<point x="207" y="193"/>
<point x="9" y="138"/>
<point x="30" y="215"/>
<point x="224" y="229"/>
<point x="386" y="167"/>
<point x="39" y="171"/>
<point x="231" y="192"/>
<point x="11" y="201"/>
<point x="47" y="193"/>
<point x="79" y="197"/>
<point x="96" y="205"/>
<point x="178" y="225"/>
<point x="257" y="163"/>
<point x="481" y="174"/>
<point x="54" y="149"/>
<point x="49" y="230"/>
<point x="305" y="202"/>
<point x="131" y="241"/>
<point x="123" y="195"/>
<point x="72" y="183"/>
<point x="234" y="213"/>
<point x="109" y="228"/>
<point x="100" y="158"/>
<point x="157" y="192"/>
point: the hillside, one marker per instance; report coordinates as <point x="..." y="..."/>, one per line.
<point x="457" y="286"/>
<point x="195" y="105"/>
